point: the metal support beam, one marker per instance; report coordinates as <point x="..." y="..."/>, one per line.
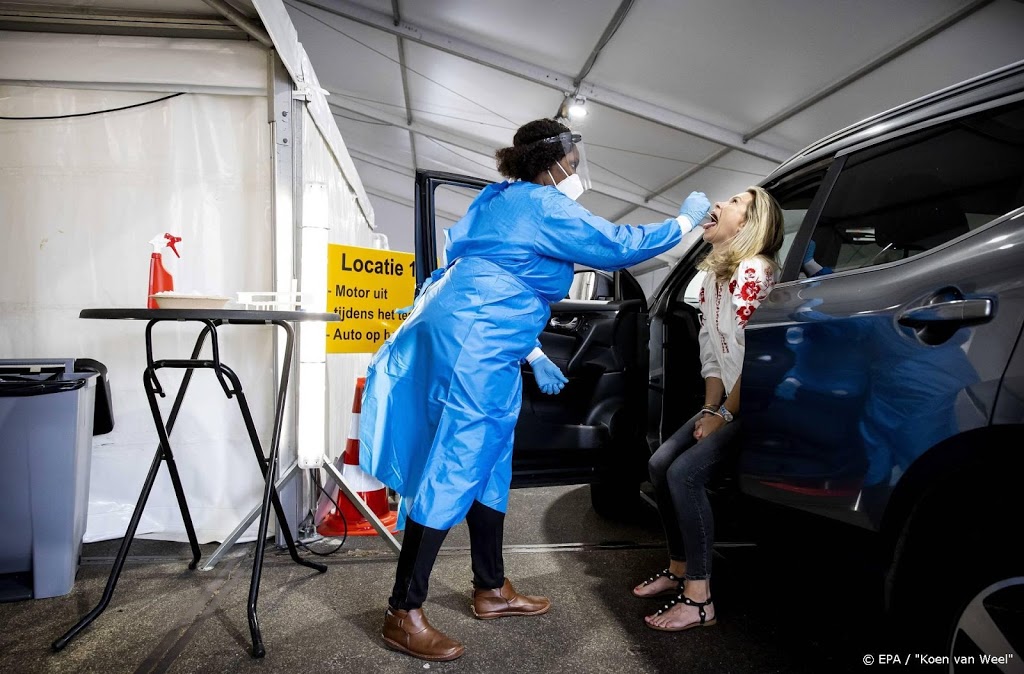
<point x="245" y="23"/>
<point x="88" y="20"/>
<point x="397" y="14"/>
<point x="549" y="78"/>
<point x="609" y="31"/>
<point x="460" y="141"/>
<point x="286" y="165"/>
<point x="242" y="526"/>
<point x="353" y="497"/>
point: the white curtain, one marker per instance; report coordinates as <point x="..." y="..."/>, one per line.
<point x="79" y="200"/>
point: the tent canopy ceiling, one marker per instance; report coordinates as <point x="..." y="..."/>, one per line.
<point x="673" y="81"/>
<point x="705" y="94"/>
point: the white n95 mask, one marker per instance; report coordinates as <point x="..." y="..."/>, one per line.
<point x="571" y="186"/>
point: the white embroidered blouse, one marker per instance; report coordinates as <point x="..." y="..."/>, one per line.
<point x="725" y="309"/>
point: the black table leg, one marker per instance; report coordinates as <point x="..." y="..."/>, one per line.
<point x="257" y="447"/>
<point x="258" y="651"/>
<point x="172" y="468"/>
<point x="162" y="452"/>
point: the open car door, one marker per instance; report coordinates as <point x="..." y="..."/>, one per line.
<point x="593" y="431"/>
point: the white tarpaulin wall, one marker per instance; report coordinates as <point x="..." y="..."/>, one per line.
<point x="79" y="200"/>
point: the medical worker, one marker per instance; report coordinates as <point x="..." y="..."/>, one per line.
<point x="443" y="393"/>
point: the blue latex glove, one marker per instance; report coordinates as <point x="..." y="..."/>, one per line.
<point x="695" y="207"/>
<point x="811" y="266"/>
<point x="549" y="378"/>
<point x="809" y="255"/>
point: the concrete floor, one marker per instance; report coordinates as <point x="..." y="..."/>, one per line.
<point x="809" y="612"/>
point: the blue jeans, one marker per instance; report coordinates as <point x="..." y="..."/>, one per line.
<point x="680" y="470"/>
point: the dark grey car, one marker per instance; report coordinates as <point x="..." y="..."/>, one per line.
<point x="887" y="390"/>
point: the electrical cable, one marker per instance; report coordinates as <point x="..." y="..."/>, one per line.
<point x="681" y="161"/>
<point x="344" y="537"/>
<point x="421" y="110"/>
<point x="364" y="121"/>
<point x="646" y="189"/>
<point x="97" y="112"/>
<point x="460" y="156"/>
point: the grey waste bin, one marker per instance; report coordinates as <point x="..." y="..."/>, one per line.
<point x="46" y="428"/>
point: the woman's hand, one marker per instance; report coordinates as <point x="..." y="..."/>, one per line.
<point x="706" y="425"/>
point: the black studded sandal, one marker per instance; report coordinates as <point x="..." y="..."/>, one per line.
<point x="683" y="599"/>
<point x="671" y="592"/>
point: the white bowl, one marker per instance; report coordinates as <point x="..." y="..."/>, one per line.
<point x="186" y="301"/>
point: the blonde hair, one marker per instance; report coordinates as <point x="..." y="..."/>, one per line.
<point x="760" y="236"/>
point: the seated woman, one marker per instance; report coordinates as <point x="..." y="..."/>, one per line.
<point x="746" y="234"/>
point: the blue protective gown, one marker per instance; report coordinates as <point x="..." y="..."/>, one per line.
<point x="443" y="393"/>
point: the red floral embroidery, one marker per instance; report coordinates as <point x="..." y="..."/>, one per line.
<point x="750" y="291"/>
<point x="743" y="314"/>
<point x="732" y="286"/>
<point x="701" y="297"/>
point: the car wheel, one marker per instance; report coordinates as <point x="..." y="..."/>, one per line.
<point x="990" y="625"/>
<point x="955" y="580"/>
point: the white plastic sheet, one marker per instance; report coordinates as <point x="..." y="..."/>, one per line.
<point x="79" y="200"/>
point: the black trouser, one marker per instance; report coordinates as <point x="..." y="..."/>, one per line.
<point x="680" y="471"/>
<point x="421" y="545"/>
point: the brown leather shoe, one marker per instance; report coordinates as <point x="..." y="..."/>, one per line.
<point x="505" y="601"/>
<point x="410" y="633"/>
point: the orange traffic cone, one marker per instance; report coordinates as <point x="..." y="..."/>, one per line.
<point x="373" y="493"/>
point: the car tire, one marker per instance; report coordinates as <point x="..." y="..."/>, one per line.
<point x="951" y="554"/>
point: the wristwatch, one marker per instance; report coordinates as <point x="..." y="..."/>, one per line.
<point x="726" y="414"/>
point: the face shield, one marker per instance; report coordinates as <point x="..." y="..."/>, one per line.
<point x="572" y="146"/>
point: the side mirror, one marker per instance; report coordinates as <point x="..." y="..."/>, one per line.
<point x="584" y="285"/>
<point x="588" y="284"/>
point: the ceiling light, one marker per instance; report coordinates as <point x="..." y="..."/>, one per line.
<point x="578" y="108"/>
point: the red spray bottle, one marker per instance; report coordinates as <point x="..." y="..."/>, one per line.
<point x="160" y="280"/>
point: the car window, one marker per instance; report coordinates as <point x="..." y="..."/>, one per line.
<point x="911" y="194"/>
<point x="450" y="203"/>
<point x="691" y="291"/>
<point x="794" y="192"/>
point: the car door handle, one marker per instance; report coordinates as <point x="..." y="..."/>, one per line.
<point x="565" y="324"/>
<point x="953" y="312"/>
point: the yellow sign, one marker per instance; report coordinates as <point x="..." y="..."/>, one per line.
<point x="365" y="286"/>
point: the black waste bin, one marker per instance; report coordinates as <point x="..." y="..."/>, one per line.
<point x="46" y="428"/>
